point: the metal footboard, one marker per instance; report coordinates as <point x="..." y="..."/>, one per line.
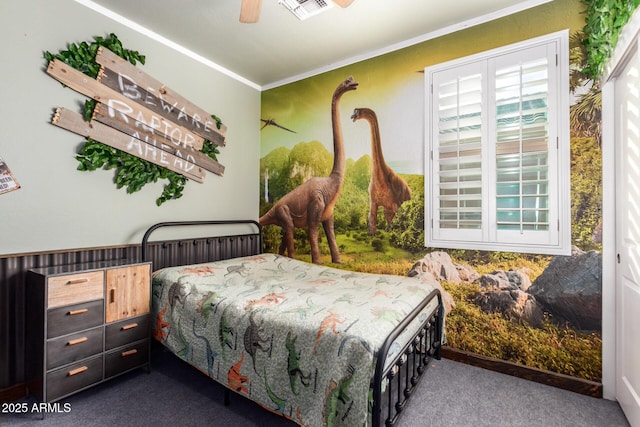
<point x="394" y="383"/>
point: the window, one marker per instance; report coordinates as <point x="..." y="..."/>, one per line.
<point x="497" y="158"/>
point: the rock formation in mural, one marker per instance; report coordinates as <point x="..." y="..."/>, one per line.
<point x="386" y="189"/>
<point x="311" y="204"/>
<point x="506" y="292"/>
<point x="569" y="289"/>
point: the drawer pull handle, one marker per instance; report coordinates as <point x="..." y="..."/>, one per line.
<point x="130" y="326"/>
<point x="77" y="371"/>
<point x="112" y="296"/>
<point x="78" y="341"/>
<point x="129" y="352"/>
<point x="77" y="281"/>
<point x="74" y="312"/>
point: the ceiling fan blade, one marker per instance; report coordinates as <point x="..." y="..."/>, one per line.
<point x="250" y="11"/>
<point x="343" y="3"/>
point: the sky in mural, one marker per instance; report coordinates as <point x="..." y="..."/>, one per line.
<point x="398" y="103"/>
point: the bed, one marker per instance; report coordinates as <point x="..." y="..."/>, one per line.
<point x="315" y="344"/>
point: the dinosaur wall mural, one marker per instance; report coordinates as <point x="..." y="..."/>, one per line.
<point x="386" y="188"/>
<point x="312" y="203"/>
<point x="393" y="90"/>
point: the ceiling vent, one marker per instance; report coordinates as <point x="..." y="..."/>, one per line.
<point x="304" y="9"/>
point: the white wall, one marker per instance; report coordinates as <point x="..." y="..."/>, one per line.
<point x="59" y="207"/>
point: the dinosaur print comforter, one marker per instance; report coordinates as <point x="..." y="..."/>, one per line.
<point x="299" y="339"/>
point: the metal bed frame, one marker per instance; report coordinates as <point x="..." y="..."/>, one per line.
<point x="392" y="383"/>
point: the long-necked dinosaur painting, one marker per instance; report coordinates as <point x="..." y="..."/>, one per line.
<point x="386" y="189"/>
<point x="311" y="203"/>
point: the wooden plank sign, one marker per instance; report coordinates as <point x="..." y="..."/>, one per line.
<point x="182" y="161"/>
<point x="101" y="113"/>
<point x="126" y="79"/>
<point x="87" y="86"/>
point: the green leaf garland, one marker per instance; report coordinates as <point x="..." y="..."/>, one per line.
<point x="603" y="23"/>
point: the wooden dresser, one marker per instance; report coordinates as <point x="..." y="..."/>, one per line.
<point x="86" y="323"/>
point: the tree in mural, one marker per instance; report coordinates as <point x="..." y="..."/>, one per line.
<point x="350" y="212"/>
<point x="586" y="132"/>
<point x="312" y="203"/>
<point x="272" y="181"/>
<point x="586" y="112"/>
<point x="407" y="228"/>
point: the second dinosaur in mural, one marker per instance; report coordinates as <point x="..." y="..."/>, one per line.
<point x="386" y="189"/>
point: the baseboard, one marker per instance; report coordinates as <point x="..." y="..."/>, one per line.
<point x="13" y="393"/>
<point x="566" y="382"/>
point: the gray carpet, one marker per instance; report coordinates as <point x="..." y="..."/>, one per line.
<point x="451" y="394"/>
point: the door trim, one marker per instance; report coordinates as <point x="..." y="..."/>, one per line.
<point x="627" y="45"/>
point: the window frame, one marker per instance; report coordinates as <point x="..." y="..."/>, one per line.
<point x="557" y="239"/>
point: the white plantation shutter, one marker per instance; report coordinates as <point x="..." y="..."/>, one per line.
<point x="497" y="130"/>
<point x="459" y="116"/>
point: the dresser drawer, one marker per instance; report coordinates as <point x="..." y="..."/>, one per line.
<point x="71" y="348"/>
<point x="127" y="331"/>
<point x="74" y="288"/>
<point x="64" y="320"/>
<point x="73" y="377"/>
<point x="126" y="358"/>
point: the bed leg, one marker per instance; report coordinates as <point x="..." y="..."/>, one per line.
<point x="227" y="397"/>
<point x="439" y="322"/>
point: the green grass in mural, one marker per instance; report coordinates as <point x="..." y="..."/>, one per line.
<point x="358" y="254"/>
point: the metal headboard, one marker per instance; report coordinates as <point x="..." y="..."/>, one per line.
<point x="196" y="250"/>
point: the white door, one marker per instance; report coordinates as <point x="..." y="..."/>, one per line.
<point x="627" y="146"/>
